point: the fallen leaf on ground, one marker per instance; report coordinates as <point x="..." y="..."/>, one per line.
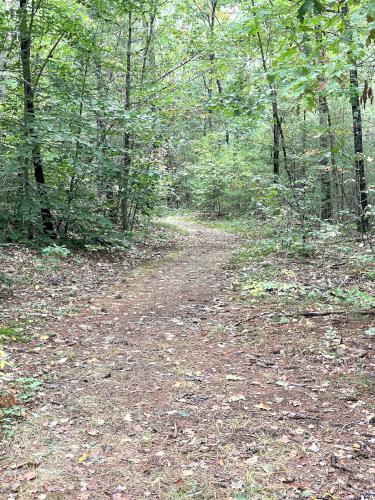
<point x="315" y="447"/>
<point x="299" y="431"/>
<point x="83" y="457"/>
<point x="233" y="399"/>
<point x="29" y="476"/>
<point x="92" y="432"/>
<point x="262" y="406"/>
<point x="187" y="473"/>
<point x="234" y="378"/>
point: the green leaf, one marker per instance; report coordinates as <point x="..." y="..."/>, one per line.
<point x="309" y="6"/>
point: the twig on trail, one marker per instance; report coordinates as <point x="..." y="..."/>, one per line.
<point x="301" y="416"/>
<point x="369" y="312"/>
<point x="307" y="314"/>
<point x="352" y="423"/>
<point x="336" y="465"/>
<point x="255" y="316"/>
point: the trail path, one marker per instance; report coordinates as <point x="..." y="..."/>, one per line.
<point x="156" y="394"/>
<point x="133" y="372"/>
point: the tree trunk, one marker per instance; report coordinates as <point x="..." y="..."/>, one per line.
<point x="105" y="182"/>
<point x="220" y="90"/>
<point x="325" y="177"/>
<point x="278" y="134"/>
<point x="148" y="52"/>
<point x="276" y="142"/>
<point x="359" y="163"/>
<point x="30" y="119"/>
<point x="125" y="222"/>
<point x="338" y="180"/>
<point x="324" y="138"/>
<point x="211" y="23"/>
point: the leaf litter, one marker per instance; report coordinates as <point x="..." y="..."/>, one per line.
<point x="197" y="402"/>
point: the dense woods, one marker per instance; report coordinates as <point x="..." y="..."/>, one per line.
<point x="186" y="249"/>
<point x="114" y="110"/>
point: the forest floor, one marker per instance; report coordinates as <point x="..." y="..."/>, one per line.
<point x="166" y="383"/>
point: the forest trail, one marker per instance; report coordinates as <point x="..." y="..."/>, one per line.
<point x="163" y="389"/>
<point x="132" y="383"/>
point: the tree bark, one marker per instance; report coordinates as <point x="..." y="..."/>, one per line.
<point x="211" y="23"/>
<point x="125" y="222"/>
<point x="148" y="53"/>
<point x="30" y="119"/>
<point x="276" y="141"/>
<point x="325" y="177"/>
<point x="278" y="135"/>
<point x="324" y="138"/>
<point x="337" y="175"/>
<point x="359" y="162"/>
<point x="220" y="90"/>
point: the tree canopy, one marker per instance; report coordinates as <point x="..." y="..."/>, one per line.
<point x="111" y="110"/>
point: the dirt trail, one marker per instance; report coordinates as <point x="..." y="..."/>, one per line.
<point x="123" y="394"/>
<point x="159" y="391"/>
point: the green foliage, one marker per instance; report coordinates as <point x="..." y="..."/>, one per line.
<point x="354" y="298"/>
<point x="14" y="400"/>
<point x="56" y="250"/>
<point x="248" y="116"/>
<point x="28" y="389"/>
<point x="309" y="6"/>
<point x="8" y="333"/>
<point x="5" y="280"/>
<point x="260" y="289"/>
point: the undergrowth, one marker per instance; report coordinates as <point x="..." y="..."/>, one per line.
<point x="14" y="401"/>
<point x="330" y="269"/>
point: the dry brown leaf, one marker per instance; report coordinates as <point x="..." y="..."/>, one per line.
<point x="262" y="406"/>
<point x="29" y="476"/>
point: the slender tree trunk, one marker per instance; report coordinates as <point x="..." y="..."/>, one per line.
<point x="324" y="138"/>
<point x="277" y="122"/>
<point x="338" y="180"/>
<point x="30" y="118"/>
<point x="6" y="47"/>
<point x="359" y="163"/>
<point x="325" y="177"/>
<point x="304" y="145"/>
<point x="276" y="141"/>
<point x="278" y="134"/>
<point x="148" y="53"/>
<point x="211" y="23"/>
<point x="73" y="180"/>
<point x="220" y="90"/>
<point x="125" y="222"/>
<point x="102" y="145"/>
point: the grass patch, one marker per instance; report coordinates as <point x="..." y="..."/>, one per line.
<point x="243" y="227"/>
<point x="173" y="229"/>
